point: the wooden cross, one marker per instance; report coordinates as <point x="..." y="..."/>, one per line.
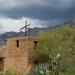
<point x="25" y="27"/>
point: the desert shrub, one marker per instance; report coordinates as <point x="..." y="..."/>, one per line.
<point x="40" y="70"/>
<point x="53" y="67"/>
<point x="10" y="72"/>
<point x="61" y="40"/>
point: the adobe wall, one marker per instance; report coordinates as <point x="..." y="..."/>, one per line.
<point x="19" y="58"/>
<point x="2" y="52"/>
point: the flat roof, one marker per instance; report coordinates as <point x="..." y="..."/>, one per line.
<point x="19" y="38"/>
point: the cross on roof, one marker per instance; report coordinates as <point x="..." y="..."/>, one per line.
<point x="25" y="27"/>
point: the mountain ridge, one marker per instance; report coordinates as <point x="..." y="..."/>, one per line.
<point x="33" y="31"/>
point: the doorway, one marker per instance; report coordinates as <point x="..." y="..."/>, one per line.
<point x="1" y="64"/>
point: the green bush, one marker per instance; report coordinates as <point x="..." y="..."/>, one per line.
<point x="61" y="40"/>
<point x="10" y="72"/>
<point x="53" y="67"/>
<point x="40" y="70"/>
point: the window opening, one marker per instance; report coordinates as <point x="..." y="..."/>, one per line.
<point x="35" y="44"/>
<point x="17" y="43"/>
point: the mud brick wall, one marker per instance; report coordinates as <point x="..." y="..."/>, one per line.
<point x="19" y="58"/>
<point x="2" y="52"/>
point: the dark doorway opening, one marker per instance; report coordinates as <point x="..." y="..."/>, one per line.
<point x="1" y="64"/>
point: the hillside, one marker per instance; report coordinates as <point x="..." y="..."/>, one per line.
<point x="33" y="32"/>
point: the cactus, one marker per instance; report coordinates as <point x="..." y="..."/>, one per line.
<point x="50" y="68"/>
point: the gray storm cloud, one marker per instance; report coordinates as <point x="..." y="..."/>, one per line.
<point x="10" y="4"/>
<point x="40" y="9"/>
<point x="39" y="12"/>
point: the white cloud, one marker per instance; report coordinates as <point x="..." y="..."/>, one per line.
<point x="9" y="24"/>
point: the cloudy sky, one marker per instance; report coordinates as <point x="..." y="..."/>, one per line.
<point x="40" y="13"/>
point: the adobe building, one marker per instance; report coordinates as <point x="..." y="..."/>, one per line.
<point x="18" y="54"/>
